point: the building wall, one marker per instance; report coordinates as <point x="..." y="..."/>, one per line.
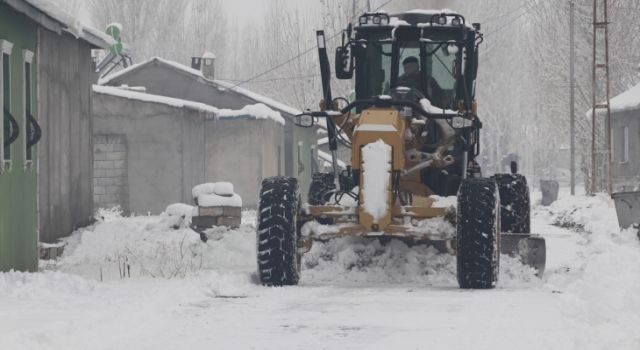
<point x="110" y="176"/>
<point x="66" y="75"/>
<point x="18" y="183"/>
<point x="626" y="174"/>
<point x="164" y="150"/>
<point x="155" y="75"/>
<point x="244" y="152"/>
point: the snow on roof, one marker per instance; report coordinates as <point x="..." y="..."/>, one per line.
<point x="208" y="55"/>
<point x="257" y="111"/>
<point x="72" y="25"/>
<point x="327" y="158"/>
<point x="219" y="83"/>
<point x="626" y="101"/>
<point x="141" y="96"/>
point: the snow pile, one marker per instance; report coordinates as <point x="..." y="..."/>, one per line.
<point x="601" y="289"/>
<point x="585" y="213"/>
<point x="42" y="285"/>
<point x="257" y="111"/>
<point x="216" y="194"/>
<point x="147" y="246"/>
<point x="376" y="174"/>
<point x="356" y="260"/>
<point x="178" y="215"/>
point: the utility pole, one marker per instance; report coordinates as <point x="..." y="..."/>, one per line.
<point x="353" y="10"/>
<point x="572" y="73"/>
<point x="368" y="5"/>
<point x="601" y="26"/>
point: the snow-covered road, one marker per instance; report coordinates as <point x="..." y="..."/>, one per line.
<point x="353" y="294"/>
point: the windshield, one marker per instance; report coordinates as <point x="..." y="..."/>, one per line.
<point x="376" y="69"/>
<point x="430" y="67"/>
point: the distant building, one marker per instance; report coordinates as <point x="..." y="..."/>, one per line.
<point x="198" y="83"/>
<point x="151" y="150"/>
<point x="625" y="126"/>
<point x="46" y="73"/>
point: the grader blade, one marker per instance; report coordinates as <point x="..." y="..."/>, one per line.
<point x="531" y="249"/>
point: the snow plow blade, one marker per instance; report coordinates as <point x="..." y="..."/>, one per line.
<point x="530" y="248"/>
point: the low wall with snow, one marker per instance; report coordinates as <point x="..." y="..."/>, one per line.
<point x="171" y="147"/>
<point x="165" y="154"/>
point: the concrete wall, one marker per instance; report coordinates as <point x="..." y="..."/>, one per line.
<point x="165" y="149"/>
<point x="244" y="152"/>
<point x="155" y="75"/>
<point x="626" y="175"/>
<point x="110" y="176"/>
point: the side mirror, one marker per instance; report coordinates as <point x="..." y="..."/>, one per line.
<point x="304" y="120"/>
<point x="344" y="63"/>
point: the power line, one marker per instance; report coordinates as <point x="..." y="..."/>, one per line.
<point x="333" y="36"/>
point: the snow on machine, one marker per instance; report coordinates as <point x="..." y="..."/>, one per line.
<point x="414" y="135"/>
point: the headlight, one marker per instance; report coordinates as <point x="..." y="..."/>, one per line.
<point x="460" y="122"/>
<point x="456" y="21"/>
<point x="363" y="20"/>
<point x="442" y="20"/>
<point x="377" y="20"/>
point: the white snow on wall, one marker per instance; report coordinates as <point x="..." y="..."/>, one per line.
<point x="216" y="194"/>
<point x="258" y="111"/>
<point x="219" y="188"/>
<point x="140" y="96"/>
<point x="376" y="174"/>
<point x="327" y="158"/>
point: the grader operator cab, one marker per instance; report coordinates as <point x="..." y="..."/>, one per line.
<point x="414" y="135"/>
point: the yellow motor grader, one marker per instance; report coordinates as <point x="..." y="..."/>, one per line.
<point x="414" y="135"/>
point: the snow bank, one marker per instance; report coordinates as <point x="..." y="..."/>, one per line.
<point x="376" y="175"/>
<point x="600" y="290"/>
<point x="150" y="248"/>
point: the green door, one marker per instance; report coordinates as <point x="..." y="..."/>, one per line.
<point x="18" y="160"/>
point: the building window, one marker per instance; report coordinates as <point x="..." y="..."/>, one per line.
<point x="9" y="127"/>
<point x="624" y="157"/>
<point x="28" y="118"/>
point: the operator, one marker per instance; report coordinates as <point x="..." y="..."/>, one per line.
<point x="411" y="78"/>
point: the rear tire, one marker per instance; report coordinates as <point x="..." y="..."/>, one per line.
<point x="478" y="234"/>
<point x="515" y="207"/>
<point x="276" y="232"/>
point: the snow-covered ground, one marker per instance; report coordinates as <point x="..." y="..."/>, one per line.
<point x="177" y="292"/>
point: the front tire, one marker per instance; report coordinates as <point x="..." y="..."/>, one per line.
<point x="478" y="234"/>
<point x="276" y="232"/>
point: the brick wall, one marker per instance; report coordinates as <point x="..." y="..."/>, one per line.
<point x="110" y="187"/>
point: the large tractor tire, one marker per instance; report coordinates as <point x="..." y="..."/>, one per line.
<point x="515" y="207"/>
<point x="276" y="232"/>
<point x="478" y="234"/>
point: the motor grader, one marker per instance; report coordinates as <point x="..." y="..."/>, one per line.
<point x="414" y="134"/>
